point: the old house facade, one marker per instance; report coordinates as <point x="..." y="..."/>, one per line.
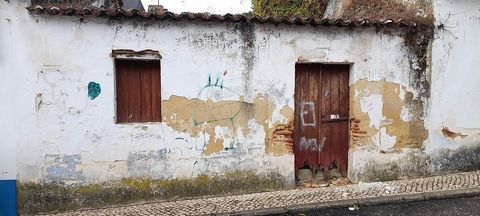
<point x="100" y="98"/>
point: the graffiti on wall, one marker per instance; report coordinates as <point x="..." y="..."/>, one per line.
<point x="216" y="87"/>
<point x="307" y="114"/>
<point x="308" y="119"/>
<point x="93" y="90"/>
<point x="311" y="144"/>
<point x="223" y="115"/>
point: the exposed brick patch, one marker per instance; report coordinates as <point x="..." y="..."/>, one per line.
<point x="359" y="136"/>
<point x="282" y="137"/>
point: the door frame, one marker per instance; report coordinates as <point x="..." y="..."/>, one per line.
<point x="350" y="69"/>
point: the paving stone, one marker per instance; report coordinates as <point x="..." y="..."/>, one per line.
<point x="247" y="202"/>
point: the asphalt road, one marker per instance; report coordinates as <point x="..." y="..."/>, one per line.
<point x="447" y="207"/>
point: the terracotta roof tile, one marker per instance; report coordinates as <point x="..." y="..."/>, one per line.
<point x="112" y="12"/>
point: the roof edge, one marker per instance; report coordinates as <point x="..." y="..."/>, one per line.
<point x="113" y="12"/>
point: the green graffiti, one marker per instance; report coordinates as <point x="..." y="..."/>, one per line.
<point x="93" y="90"/>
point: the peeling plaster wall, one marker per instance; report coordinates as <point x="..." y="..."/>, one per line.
<point x="453" y="122"/>
<point x="237" y="81"/>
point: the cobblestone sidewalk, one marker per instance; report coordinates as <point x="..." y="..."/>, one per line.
<point x="278" y="199"/>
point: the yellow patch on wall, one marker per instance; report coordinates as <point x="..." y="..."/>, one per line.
<point x="408" y="134"/>
<point x="361" y="130"/>
<point x="214" y="144"/>
<point x="195" y="116"/>
<point x="287" y="112"/>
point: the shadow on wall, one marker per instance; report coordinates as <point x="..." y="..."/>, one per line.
<point x="36" y="198"/>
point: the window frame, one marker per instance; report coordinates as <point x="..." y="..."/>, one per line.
<point x="140" y="56"/>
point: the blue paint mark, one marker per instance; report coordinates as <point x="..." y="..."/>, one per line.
<point x="229" y="148"/>
<point x="94" y="90"/>
<point x="8" y="197"/>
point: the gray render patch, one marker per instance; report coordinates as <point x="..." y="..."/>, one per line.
<point x="144" y="162"/>
<point x="64" y="168"/>
<point x="148" y="155"/>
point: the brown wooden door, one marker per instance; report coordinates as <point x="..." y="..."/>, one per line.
<point x="321" y="117"/>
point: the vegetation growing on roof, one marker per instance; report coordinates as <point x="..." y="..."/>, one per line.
<point x="419" y="11"/>
<point x="287" y="8"/>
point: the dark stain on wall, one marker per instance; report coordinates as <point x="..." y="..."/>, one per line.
<point x="464" y="159"/>
<point x="418" y="41"/>
<point x="414" y="165"/>
<point x="247" y="35"/>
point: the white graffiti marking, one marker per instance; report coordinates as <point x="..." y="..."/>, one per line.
<point x="322" y="143"/>
<point x="307" y="108"/>
<point x="310" y="144"/>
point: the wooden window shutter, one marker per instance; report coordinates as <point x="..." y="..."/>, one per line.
<point x="138" y="91"/>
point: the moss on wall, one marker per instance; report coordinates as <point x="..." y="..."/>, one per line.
<point x="35" y="198"/>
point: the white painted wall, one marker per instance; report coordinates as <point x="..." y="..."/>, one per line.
<point x="11" y="105"/>
<point x="74" y="139"/>
<point x="455" y="74"/>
